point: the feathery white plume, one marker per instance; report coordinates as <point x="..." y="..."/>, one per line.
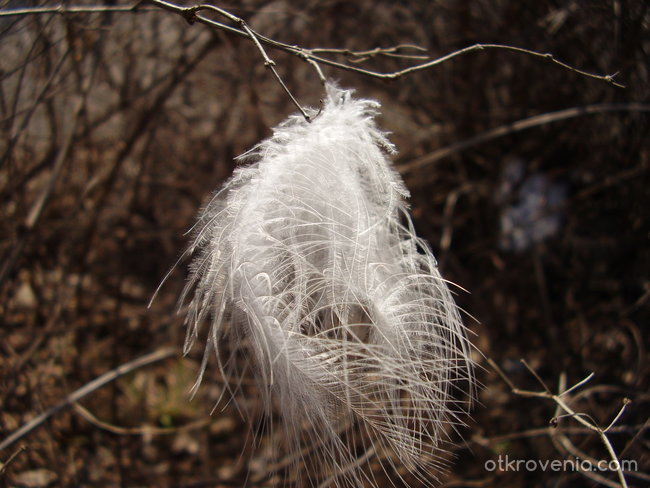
<point x="308" y="262"/>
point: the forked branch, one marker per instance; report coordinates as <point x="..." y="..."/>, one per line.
<point x="88" y="388"/>
<point x="563" y="406"/>
<point x="315" y="57"/>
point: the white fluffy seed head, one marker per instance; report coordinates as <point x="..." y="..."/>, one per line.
<point x="307" y="261"/>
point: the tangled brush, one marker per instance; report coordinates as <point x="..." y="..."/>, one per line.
<point x="309" y="273"/>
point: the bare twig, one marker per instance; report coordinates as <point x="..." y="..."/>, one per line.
<point x="562" y="442"/>
<point x="537" y="377"/>
<point x="564" y="445"/>
<point x="579" y="384"/>
<point x="39" y="98"/>
<point x="13" y="456"/>
<point x="613" y="179"/>
<point x="543" y="431"/>
<point x="38" y="207"/>
<point x="53" y="319"/>
<point x="141" y="430"/>
<point x="270" y="64"/>
<point x="529" y="52"/>
<point x="370" y="452"/>
<point x="361" y="56"/>
<point x="193" y="14"/>
<point x="88" y="388"/>
<point x="521" y="125"/>
<point x="626" y="402"/>
<point x="578" y="417"/>
<point x="66" y="10"/>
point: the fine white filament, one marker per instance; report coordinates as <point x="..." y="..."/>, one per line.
<point x="308" y="271"/>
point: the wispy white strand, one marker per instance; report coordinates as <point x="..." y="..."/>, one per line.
<point x="307" y="261"/>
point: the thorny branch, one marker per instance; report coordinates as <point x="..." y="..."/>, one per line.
<point x="198" y="14"/>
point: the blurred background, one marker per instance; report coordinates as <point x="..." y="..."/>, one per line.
<point x="117" y="127"/>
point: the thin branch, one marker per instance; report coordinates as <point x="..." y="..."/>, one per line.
<point x="529" y="52"/>
<point x="564" y="445"/>
<point x="11" y="459"/>
<point x="626" y="402"/>
<point x="331" y="481"/>
<point x="88" y="388"/>
<point x="316" y="66"/>
<point x="543" y="431"/>
<point x="65" y="10"/>
<point x="40" y="204"/>
<point x="270" y="64"/>
<point x="578" y="417"/>
<point x="534" y="373"/>
<point x="141" y="430"/>
<point x="39" y="98"/>
<point x="372" y="52"/>
<point x="518" y="126"/>
<point x="361" y="56"/>
<point x="469" y="49"/>
<point x="193" y="15"/>
<point x="53" y="319"/>
<point x="500" y="372"/>
<point x="577" y="385"/>
<point x="599" y="431"/>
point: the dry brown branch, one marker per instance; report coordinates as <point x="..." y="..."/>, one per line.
<point x="37" y="208"/>
<point x="29" y="113"/>
<point x="310" y="54"/>
<point x="140" y="430"/>
<point x="361" y="56"/>
<point x="562" y="405"/>
<point x="66" y="10"/>
<point x="193" y="14"/>
<point x="44" y="333"/>
<point x="543" y="432"/>
<point x="518" y="126"/>
<point x="13" y="456"/>
<point x="469" y="49"/>
<point x="88" y="388"/>
<point x="559" y="438"/>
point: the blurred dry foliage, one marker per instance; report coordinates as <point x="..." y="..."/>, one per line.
<point x="117" y="126"/>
